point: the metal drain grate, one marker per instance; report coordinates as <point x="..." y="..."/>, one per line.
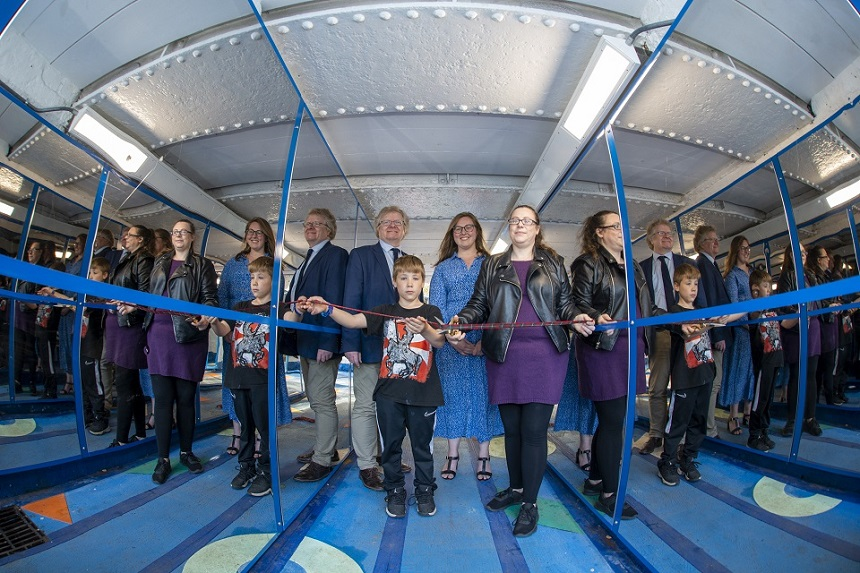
<point x="17" y="532"/>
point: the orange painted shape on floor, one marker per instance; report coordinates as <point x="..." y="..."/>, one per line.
<point x="54" y="507"/>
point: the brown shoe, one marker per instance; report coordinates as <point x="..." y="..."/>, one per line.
<point x="371" y="480"/>
<point x="312" y="472"/>
<point x="651" y="445"/>
<point x="405" y="468"/>
<point x="306" y="457"/>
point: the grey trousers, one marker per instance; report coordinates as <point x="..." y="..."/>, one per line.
<point x="365" y="434"/>
<point x="658" y="383"/>
<point x="715" y="391"/>
<point x="319" y="385"/>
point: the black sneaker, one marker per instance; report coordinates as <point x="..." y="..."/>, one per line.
<point x="650" y="445"/>
<point x="787" y="430"/>
<point x="811" y="426"/>
<point x="246" y="475"/>
<point x="162" y="470"/>
<point x="758" y="443"/>
<point x="395" y="503"/>
<point x="589" y="488"/>
<point x="99" y="427"/>
<point x="503" y="499"/>
<point x="262" y="485"/>
<point x="424" y="497"/>
<point x="607" y="506"/>
<point x="527" y="520"/>
<point x="115" y="444"/>
<point x="689" y="469"/>
<point x="668" y="472"/>
<point x="190" y="461"/>
<point x="770" y="443"/>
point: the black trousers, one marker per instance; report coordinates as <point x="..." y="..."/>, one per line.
<point x="252" y="409"/>
<point x="688" y="415"/>
<point x="129" y="403"/>
<point x="607" y="443"/>
<point x="762" y="399"/>
<point x="393" y="420"/>
<point x="46" y="347"/>
<point x="525" y="445"/>
<point x="168" y="391"/>
<point x="824" y="375"/>
<point x="25" y="356"/>
<point x="811" y="394"/>
<point x="93" y="389"/>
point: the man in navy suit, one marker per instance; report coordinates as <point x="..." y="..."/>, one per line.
<point x="659" y="269"/>
<point x="323" y="274"/>
<point x="369" y="283"/>
<point x="711" y="284"/>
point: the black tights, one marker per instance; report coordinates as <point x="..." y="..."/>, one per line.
<point x="811" y="389"/>
<point x="525" y="445"/>
<point x="129" y="404"/>
<point x="169" y="390"/>
<point x="607" y="442"/>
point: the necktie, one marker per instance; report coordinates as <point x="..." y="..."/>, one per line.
<point x="304" y="266"/>
<point x="395" y="253"/>
<point x="667" y="282"/>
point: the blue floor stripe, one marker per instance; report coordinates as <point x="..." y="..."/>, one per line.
<point x="819" y="538"/>
<point x="511" y="557"/>
<point x="72" y="531"/>
<point x="36" y="437"/>
<point x="834" y="441"/>
<point x="182" y="552"/>
<point x="280" y="551"/>
<point x="390" y="556"/>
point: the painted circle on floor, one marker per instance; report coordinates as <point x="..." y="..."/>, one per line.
<point x="17" y="428"/>
<point x="771" y="495"/>
<point x="231" y="553"/>
<point x="497" y="447"/>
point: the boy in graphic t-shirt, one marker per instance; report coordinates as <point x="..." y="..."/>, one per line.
<point x="693" y="372"/>
<point x="408" y="390"/>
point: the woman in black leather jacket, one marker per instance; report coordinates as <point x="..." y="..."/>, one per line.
<point x="178" y="347"/>
<point x="600" y="290"/>
<point x="525" y="366"/>
<point x="125" y="339"/>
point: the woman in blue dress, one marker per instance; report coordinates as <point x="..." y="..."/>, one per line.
<point x="467" y="411"/>
<point x="577" y="414"/>
<point x="235" y="287"/>
<point x="738" y="379"/>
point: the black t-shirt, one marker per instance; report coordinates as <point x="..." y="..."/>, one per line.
<point x="691" y="358"/>
<point x="249" y="347"/>
<point x="407" y="373"/>
<point x="766" y="343"/>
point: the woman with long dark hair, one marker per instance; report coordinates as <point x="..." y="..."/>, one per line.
<point x="178" y="348"/>
<point x="818" y="264"/>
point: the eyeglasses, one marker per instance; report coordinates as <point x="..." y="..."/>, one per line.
<point x="524" y="222"/>
<point x="133" y="235"/>
<point x="464" y="229"/>
<point x="824" y="257"/>
<point x="253" y="233"/>
<point x="387" y="223"/>
<point x="744" y="249"/>
<point x="711" y="240"/>
<point x="663" y="234"/>
<point x="34" y="250"/>
<point x="616" y="226"/>
<point x="180" y="232"/>
<point x="314" y="225"/>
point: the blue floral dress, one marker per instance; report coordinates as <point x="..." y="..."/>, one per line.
<point x="467" y="411"/>
<point x="738" y="379"/>
<point x="575" y="412"/>
<point x="235" y="287"/>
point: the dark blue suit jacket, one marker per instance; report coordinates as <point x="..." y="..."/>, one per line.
<point x="677" y="260"/>
<point x="325" y="277"/>
<point x="714" y="288"/>
<point x="368" y="284"/>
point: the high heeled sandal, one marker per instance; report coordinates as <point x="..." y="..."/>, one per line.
<point x="484" y="474"/>
<point x="448" y="473"/>
<point x="232" y="449"/>
<point x="257" y="453"/>
<point x="587" y="465"/>
<point x="737" y="431"/>
<point x="150" y="422"/>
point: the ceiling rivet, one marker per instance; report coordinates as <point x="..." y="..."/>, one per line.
<point x="439" y="13"/>
<point x="462" y="107"/>
<point x="471" y="15"/>
<point x="399" y="107"/>
<point x="214" y="47"/>
<point x="331" y="21"/>
<point x="385" y="15"/>
<point x="360" y="109"/>
<point x="380" y="108"/>
<point x="730" y="76"/>
<point x="539" y="112"/>
<point x="574" y="27"/>
<point x="717" y="70"/>
<point x="196" y="53"/>
<point x="502" y="109"/>
<point x="323" y="113"/>
<point x="308" y="25"/>
<point x="482" y="108"/>
<point x="524" y="19"/>
<point x="180" y="59"/>
<point x="440" y="106"/>
<point x="549" y="23"/>
<point x="256" y="35"/>
<point x="498" y="16"/>
<point x="686" y="57"/>
<point x="419" y="107"/>
<point x="412" y="14"/>
<point x="234" y="41"/>
<point x="598" y="32"/>
<point x="358" y="18"/>
<point x="341" y="111"/>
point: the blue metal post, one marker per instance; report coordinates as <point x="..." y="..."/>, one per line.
<point x="852" y="227"/>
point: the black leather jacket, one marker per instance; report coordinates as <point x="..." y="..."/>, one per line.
<point x="133" y="272"/>
<point x="194" y="281"/>
<point x="600" y="287"/>
<point x="497" y="298"/>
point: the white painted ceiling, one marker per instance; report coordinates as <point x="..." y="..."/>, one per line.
<point x="438" y="107"/>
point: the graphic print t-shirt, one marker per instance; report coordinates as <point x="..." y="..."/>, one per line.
<point x="766" y="343"/>
<point x="249" y="347"/>
<point x="692" y="359"/>
<point x="407" y="373"/>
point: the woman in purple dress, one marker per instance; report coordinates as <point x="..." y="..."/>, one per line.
<point x="600" y="289"/>
<point x="178" y="347"/>
<point x="525" y="366"/>
<point x="125" y="337"/>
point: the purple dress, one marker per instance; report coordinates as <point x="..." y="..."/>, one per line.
<point x="603" y="373"/>
<point x="124" y="345"/>
<point x="533" y="370"/>
<point x="169" y="358"/>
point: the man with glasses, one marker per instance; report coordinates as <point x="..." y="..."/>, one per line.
<point x="322" y="273"/>
<point x="707" y="244"/>
<point x="659" y="269"/>
<point x="369" y="284"/>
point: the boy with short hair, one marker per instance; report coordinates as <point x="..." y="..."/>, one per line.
<point x="767" y="360"/>
<point x="408" y="390"/>
<point x="693" y="372"/>
<point x="248" y="380"/>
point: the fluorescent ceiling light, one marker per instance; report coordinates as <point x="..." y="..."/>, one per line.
<point x="847" y="193"/>
<point x="109" y="140"/>
<point x="607" y="71"/>
<point x="6" y="208"/>
<point x="500" y="246"/>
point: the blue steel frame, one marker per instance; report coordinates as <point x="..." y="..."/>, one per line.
<point x="852" y="227"/>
